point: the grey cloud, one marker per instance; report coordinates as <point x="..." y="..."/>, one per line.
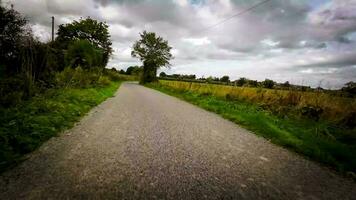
<point x="294" y="24"/>
<point x="334" y="20"/>
<point x="338" y="61"/>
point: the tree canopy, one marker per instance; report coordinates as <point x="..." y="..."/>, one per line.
<point x="154" y="52"/>
<point x="83" y="53"/>
<point x="12" y="30"/>
<point x="95" y="32"/>
<point x="225" y="79"/>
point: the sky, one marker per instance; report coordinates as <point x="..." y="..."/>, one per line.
<point x="305" y="42"/>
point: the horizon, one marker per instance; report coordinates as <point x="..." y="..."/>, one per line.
<point x="303" y="42"/>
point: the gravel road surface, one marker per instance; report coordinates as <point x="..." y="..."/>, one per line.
<point x="142" y="144"/>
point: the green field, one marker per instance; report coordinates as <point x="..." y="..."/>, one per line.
<point x="280" y="117"/>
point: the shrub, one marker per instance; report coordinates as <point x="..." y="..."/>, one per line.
<point x="162" y="74"/>
<point x="241" y="81"/>
<point x="225" y="79"/>
<point x="104" y="81"/>
<point x="268" y="83"/>
<point x="312" y="112"/>
<point x="83" y="53"/>
<point x="77" y="78"/>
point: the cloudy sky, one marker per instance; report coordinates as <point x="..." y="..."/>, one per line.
<point x="302" y="41"/>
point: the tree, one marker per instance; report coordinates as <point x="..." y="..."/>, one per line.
<point x="133" y="70"/>
<point x="350" y="88"/>
<point x="83" y="53"/>
<point x="129" y="70"/>
<point x="241" y="81"/>
<point x="12" y="31"/>
<point x="252" y="83"/>
<point x="267" y="83"/>
<point x="225" y="79"/>
<point x="286" y="84"/>
<point x="93" y="31"/>
<point x="162" y="74"/>
<point x="154" y="52"/>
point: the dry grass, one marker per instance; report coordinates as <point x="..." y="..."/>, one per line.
<point x="334" y="108"/>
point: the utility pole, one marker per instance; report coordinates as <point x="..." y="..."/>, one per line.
<point x="52" y="28"/>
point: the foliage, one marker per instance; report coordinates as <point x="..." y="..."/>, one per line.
<point x="162" y="74"/>
<point x="241" y="81"/>
<point x="39" y="97"/>
<point x="77" y="78"/>
<point x="319" y="140"/>
<point x="11" y="91"/>
<point x="154" y="52"/>
<point x="350" y="88"/>
<point x="225" y="79"/>
<point x="104" y="81"/>
<point x="252" y="83"/>
<point x="95" y="32"/>
<point x="268" y="83"/>
<point x="26" y="126"/>
<point x="117" y="76"/>
<point x="12" y="30"/>
<point x="286" y="84"/>
<point x="28" y="67"/>
<point x="83" y="53"/>
<point x="133" y="70"/>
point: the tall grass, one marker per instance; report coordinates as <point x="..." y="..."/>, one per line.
<point x="320" y="139"/>
<point x="331" y="108"/>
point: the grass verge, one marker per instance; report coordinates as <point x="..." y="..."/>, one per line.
<point x="25" y="127"/>
<point x="301" y="135"/>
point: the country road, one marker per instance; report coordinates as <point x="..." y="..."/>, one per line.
<point x="142" y="144"/>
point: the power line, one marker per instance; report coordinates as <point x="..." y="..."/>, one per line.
<point x="236" y="15"/>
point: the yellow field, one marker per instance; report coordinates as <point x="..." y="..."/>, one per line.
<point x="334" y="108"/>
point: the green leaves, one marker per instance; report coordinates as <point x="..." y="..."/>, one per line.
<point x="154" y="51"/>
<point x="93" y="31"/>
<point x="83" y="53"/>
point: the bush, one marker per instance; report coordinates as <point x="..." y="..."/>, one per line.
<point x="242" y="81"/>
<point x="12" y="91"/>
<point x="77" y="78"/>
<point x="113" y="75"/>
<point x="225" y="79"/>
<point x="312" y="112"/>
<point x="268" y="83"/>
<point x="104" y="81"/>
<point x="83" y="53"/>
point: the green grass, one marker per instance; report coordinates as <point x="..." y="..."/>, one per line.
<point x="320" y="141"/>
<point x="25" y="127"/>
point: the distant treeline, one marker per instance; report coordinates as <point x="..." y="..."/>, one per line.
<point x="348" y="90"/>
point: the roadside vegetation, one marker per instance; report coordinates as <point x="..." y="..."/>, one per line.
<point x="45" y="87"/>
<point x="315" y="124"/>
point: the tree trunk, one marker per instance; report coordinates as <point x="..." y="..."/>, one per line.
<point x="149" y="73"/>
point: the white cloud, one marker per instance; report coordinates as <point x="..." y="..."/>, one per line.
<point x="197" y="41"/>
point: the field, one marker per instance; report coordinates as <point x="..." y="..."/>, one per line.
<point x="312" y="104"/>
<point x="317" y="125"/>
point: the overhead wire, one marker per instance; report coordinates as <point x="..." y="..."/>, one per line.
<point x="235" y="15"/>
